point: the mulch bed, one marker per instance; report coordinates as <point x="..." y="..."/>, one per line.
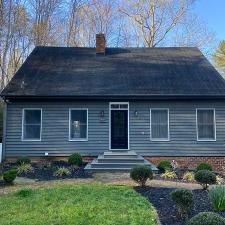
<point x="45" y="171"/>
<point x="161" y="200"/>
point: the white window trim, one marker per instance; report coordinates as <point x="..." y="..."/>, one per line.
<point x="168" y="130"/>
<point x="128" y="118"/>
<point x="77" y="139"/>
<point x="214" y="121"/>
<point x="23" y="113"/>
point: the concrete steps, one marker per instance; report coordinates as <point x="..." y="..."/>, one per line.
<point x="117" y="161"/>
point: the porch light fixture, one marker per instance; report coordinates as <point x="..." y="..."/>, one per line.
<point x="136" y="113"/>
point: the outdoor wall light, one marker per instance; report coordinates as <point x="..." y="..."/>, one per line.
<point x="136" y="113"/>
<point x="102" y="114"/>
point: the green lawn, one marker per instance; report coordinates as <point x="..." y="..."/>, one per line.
<point x="83" y="204"/>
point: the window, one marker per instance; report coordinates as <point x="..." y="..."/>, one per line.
<point x="206" y="129"/>
<point x="159" y="119"/>
<point x="78" y="125"/>
<point x="32" y="119"/>
<point x="118" y="106"/>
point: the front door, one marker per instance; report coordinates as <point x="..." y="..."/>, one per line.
<point x="119" y="129"/>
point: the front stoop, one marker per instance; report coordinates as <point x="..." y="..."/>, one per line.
<point x="118" y="161"/>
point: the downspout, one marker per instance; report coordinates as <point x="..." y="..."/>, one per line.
<point x="4" y="128"/>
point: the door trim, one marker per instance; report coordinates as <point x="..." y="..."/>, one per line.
<point x="128" y="124"/>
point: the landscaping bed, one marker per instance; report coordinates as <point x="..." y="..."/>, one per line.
<point x="46" y="170"/>
<point x="166" y="208"/>
<point x="75" y="205"/>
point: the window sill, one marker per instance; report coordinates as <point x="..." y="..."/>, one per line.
<point x="210" y="140"/>
<point x="31" y="140"/>
<point x="159" y="140"/>
<point x="78" y="140"/>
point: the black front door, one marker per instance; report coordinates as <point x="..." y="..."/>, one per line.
<point x="119" y="129"/>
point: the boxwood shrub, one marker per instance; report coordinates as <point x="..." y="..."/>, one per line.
<point x="164" y="165"/>
<point x="23" y="160"/>
<point x="204" y="166"/>
<point x="75" y="159"/>
<point x="141" y="174"/>
<point x="184" y="201"/>
<point x="205" y="178"/>
<point x="207" y="218"/>
<point x="9" y="176"/>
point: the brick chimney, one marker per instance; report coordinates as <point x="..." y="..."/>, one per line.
<point x="100" y="43"/>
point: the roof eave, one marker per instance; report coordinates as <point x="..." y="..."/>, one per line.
<point x="113" y="97"/>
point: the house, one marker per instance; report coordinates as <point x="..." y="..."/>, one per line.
<point x="120" y="104"/>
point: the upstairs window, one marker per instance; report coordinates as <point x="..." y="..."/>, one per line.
<point x="159" y="123"/>
<point x="206" y="128"/>
<point x="32" y="120"/>
<point x="78" y="124"/>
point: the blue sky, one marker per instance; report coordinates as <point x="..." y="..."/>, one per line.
<point x="213" y="13"/>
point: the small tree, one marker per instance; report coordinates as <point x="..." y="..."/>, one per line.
<point x="205" y="178"/>
<point x="141" y="174"/>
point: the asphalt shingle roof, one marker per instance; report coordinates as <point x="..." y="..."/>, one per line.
<point x="122" y="72"/>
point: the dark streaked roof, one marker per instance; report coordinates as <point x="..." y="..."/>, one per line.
<point x="121" y="72"/>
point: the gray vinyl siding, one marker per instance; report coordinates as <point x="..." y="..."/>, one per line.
<point x="55" y="129"/>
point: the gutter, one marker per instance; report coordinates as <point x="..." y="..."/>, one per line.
<point x="113" y="97"/>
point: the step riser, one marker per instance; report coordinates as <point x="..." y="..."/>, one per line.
<point x="120" y="156"/>
<point x="120" y="160"/>
<point x="109" y="165"/>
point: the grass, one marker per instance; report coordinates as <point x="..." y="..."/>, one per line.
<point x="81" y="204"/>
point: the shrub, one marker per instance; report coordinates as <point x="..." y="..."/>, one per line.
<point x="219" y="180"/>
<point x="169" y="175"/>
<point x="9" y="176"/>
<point x="217" y="197"/>
<point x="24" y="192"/>
<point x="207" y="218"/>
<point x="205" y="178"/>
<point x="45" y="165"/>
<point x="189" y="176"/>
<point x="24" y="168"/>
<point x="23" y="160"/>
<point x="164" y="165"/>
<point x="62" y="171"/>
<point x="141" y="174"/>
<point x="75" y="159"/>
<point x="184" y="201"/>
<point x="204" y="166"/>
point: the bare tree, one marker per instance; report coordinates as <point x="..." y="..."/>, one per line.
<point x="219" y="57"/>
<point x="44" y="20"/>
<point x="15" y="43"/>
<point x="155" y="19"/>
<point x="192" y="32"/>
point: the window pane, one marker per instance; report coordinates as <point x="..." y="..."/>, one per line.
<point x="32" y="132"/>
<point x="32" y="124"/>
<point x="206" y="128"/>
<point x="32" y="117"/>
<point x="159" y="124"/>
<point x="115" y="106"/>
<point x="123" y="106"/>
<point x="78" y="124"/>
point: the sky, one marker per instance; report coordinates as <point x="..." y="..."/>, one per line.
<point x="213" y="13"/>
